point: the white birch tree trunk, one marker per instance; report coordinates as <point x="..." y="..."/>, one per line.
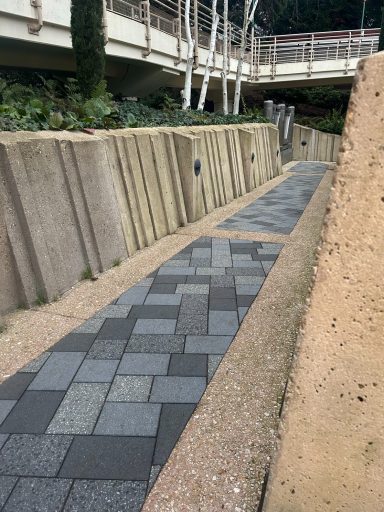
<point x="225" y="60"/>
<point x="190" y="58"/>
<point x="209" y="64"/>
<point x="249" y="14"/>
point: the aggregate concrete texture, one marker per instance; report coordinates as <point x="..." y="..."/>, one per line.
<point x="331" y="454"/>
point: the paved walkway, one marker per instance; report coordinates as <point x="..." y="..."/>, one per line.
<point x="89" y="424"/>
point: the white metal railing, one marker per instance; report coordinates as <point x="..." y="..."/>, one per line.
<point x="168" y="16"/>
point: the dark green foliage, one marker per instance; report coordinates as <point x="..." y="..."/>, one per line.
<point x="333" y="122"/>
<point x="88" y="43"/>
<point x="381" y="40"/>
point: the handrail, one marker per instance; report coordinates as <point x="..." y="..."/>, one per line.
<point x="165" y="15"/>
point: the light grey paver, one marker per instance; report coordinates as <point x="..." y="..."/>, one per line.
<point x="192" y="324"/>
<point x="97" y="370"/>
<point x="207" y="344"/>
<point x="3" y="438"/>
<point x="184" y="390"/>
<point x="175" y="271"/>
<point x="91" y="326"/>
<point x="249" y="280"/>
<point x="208" y="271"/>
<point x="6" y="407"/>
<point x="128" y="419"/>
<point x="7" y="483"/>
<point x="154" y="326"/>
<point x="242" y="312"/>
<point x="134" y="296"/>
<point x="223" y="322"/>
<point x="107" y="349"/>
<point x="144" y="364"/>
<point x="157" y="343"/>
<point x="58" y="372"/>
<point x="190" y="289"/>
<point x="38" y="494"/>
<point x="163" y="299"/>
<point x="106" y="496"/>
<point x="114" y="311"/>
<point x="130" y="388"/>
<point x="33" y="455"/>
<point x="79" y="409"/>
<point x="35" y="365"/>
<point x="244" y="289"/>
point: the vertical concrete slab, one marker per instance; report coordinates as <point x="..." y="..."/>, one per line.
<point x="152" y="186"/>
<point x="175" y="177"/>
<point x="97" y="187"/>
<point x="224" y="164"/>
<point x="207" y="174"/>
<point x="248" y="152"/>
<point x="115" y="155"/>
<point x="188" y="151"/>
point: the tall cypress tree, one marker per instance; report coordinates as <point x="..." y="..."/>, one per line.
<point x="88" y="43"/>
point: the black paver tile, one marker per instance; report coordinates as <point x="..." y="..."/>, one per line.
<point x="38" y="495"/>
<point x="74" y="342"/>
<point x="154" y="311"/>
<point x="14" y="387"/>
<point x="163" y="288"/>
<point x="245" y="300"/>
<point x="32" y="413"/>
<point x="217" y="304"/>
<point x="33" y="455"/>
<point x="222" y="293"/>
<point x="188" y="365"/>
<point x="116" y="329"/>
<point x="109" y="457"/>
<point x="173" y="420"/>
<point x="170" y="280"/>
<point x="106" y="496"/>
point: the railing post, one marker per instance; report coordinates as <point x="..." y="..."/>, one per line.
<point x="252" y="52"/>
<point x="310" y="59"/>
<point x="348" y="56"/>
<point x="145" y="15"/>
<point x="268" y="110"/>
<point x="229" y="47"/>
<point x="281" y="122"/>
<point x="196" y="34"/>
<point x="274" y="58"/>
<point x="178" y="24"/>
<point x="257" y="71"/>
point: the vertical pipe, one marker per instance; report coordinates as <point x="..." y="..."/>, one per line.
<point x="196" y="35"/>
<point x="146" y="18"/>
<point x="179" y="24"/>
<point x="268" y="110"/>
<point x="105" y="21"/>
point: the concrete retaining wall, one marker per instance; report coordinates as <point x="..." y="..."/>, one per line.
<point x="310" y="144"/>
<point x="69" y="201"/>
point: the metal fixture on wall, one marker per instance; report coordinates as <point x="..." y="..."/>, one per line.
<point x="34" y="28"/>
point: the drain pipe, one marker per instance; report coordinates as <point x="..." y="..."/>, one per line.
<point x="34" y="28"/>
<point x="105" y="22"/>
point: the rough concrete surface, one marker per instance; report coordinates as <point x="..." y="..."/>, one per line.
<point x="331" y="455"/>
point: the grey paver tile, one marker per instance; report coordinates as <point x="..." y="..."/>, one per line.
<point x="109" y="457"/>
<point x="7" y="483"/>
<point x="147" y="281"/>
<point x="200" y="252"/>
<point x="33" y="412"/>
<point x="97" y="370"/>
<point x="107" y="349"/>
<point x="245" y="271"/>
<point x="208" y="271"/>
<point x="91" y="326"/>
<point x="129" y="419"/>
<point x="198" y="289"/>
<point x="188" y="365"/>
<point x="185" y="271"/>
<point x="161" y="344"/>
<point x="222" y="281"/>
<point x="33" y="455"/>
<point x="5" y="408"/>
<point x="245" y="300"/>
<point x="249" y="280"/>
<point x="267" y="265"/>
<point x="166" y="288"/>
<point x="223" y="322"/>
<point x="130" y="388"/>
<point x="216" y="304"/>
<point x="247" y="264"/>
<point x="194" y="305"/>
<point x="170" y="279"/>
<point x="207" y="344"/>
<point x="154" y="326"/>
<point x="198" y="279"/>
<point x="35" y="365"/>
<point x="177" y="389"/>
<point x="133" y="296"/>
<point x="106" y="495"/>
<point x="213" y="364"/>
<point x="154" y="311"/>
<point x="14" y="387"/>
<point x="144" y="364"/>
<point x="114" y="311"/>
<point x="79" y="410"/>
<point x="38" y="494"/>
<point x="58" y="372"/>
<point x="241" y="257"/>
<point x="243" y="289"/>
<point x="174" y="263"/>
<point x="164" y="299"/>
<point x="242" y="312"/>
<point x="173" y="420"/>
<point x="192" y="324"/>
<point x="222" y="293"/>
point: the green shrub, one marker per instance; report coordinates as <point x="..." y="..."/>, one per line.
<point x="333" y="122"/>
<point x="88" y="43"/>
